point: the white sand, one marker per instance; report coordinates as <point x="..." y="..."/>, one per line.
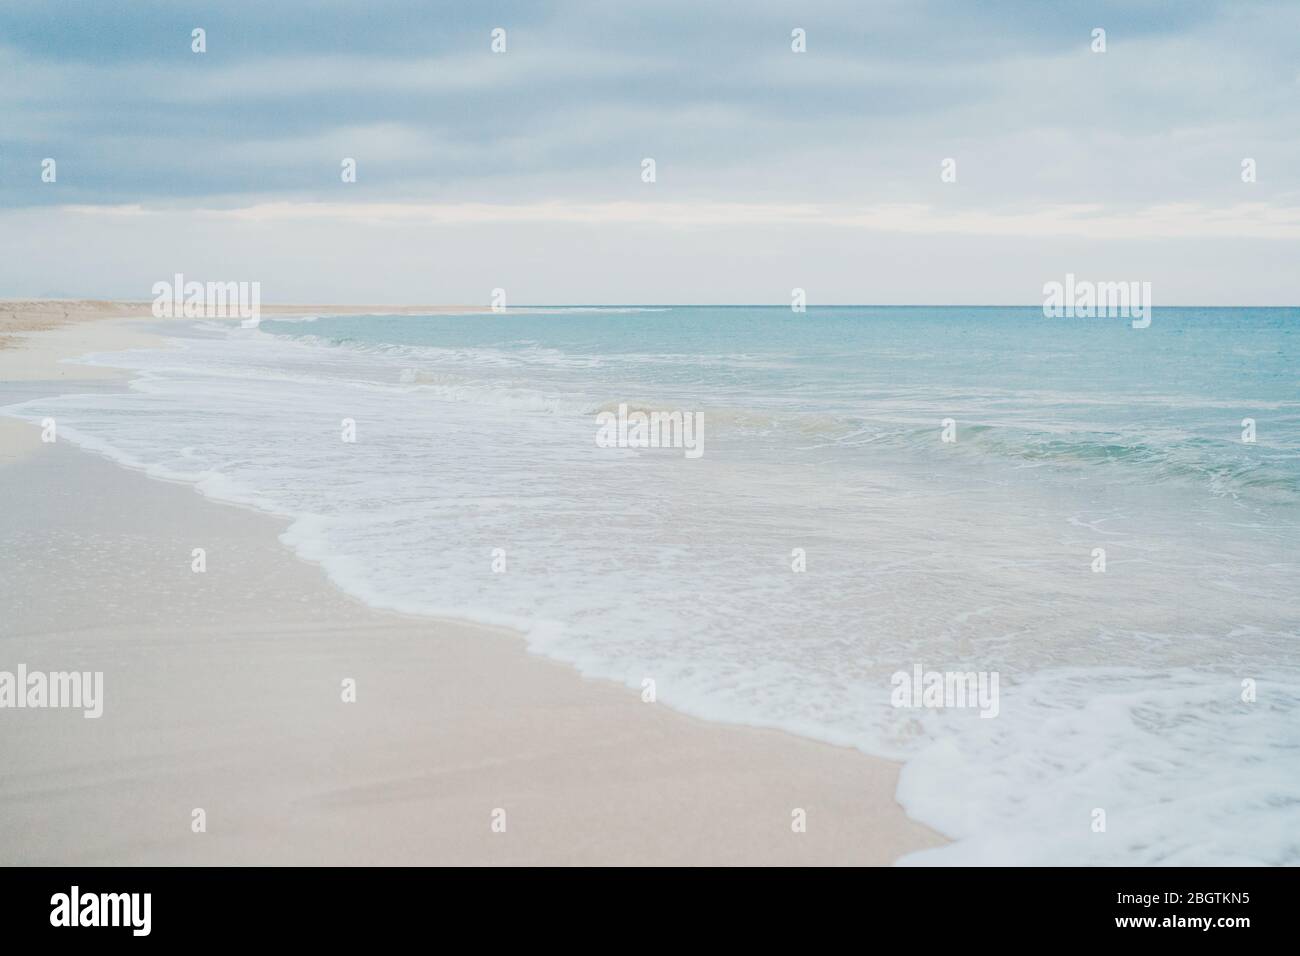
<point x="223" y="692"/>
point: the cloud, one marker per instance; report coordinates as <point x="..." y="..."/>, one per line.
<point x="712" y="91"/>
<point x="1167" y="221"/>
<point x="1053" y="143"/>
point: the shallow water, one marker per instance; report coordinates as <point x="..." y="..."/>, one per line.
<point x="1119" y="691"/>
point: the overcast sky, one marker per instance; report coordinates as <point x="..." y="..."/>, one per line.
<point x="774" y="169"/>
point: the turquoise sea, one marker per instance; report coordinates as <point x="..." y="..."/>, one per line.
<point x="1163" y="689"/>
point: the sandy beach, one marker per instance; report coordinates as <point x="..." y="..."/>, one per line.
<point x="223" y="692"/>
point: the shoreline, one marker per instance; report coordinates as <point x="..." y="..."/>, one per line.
<point x="451" y="721"/>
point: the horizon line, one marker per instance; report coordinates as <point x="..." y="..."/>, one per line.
<point x="626" y="305"/>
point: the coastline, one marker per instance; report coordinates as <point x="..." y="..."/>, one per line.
<point x="222" y="692"/>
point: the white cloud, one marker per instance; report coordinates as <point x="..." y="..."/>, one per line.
<point x="1188" y="220"/>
